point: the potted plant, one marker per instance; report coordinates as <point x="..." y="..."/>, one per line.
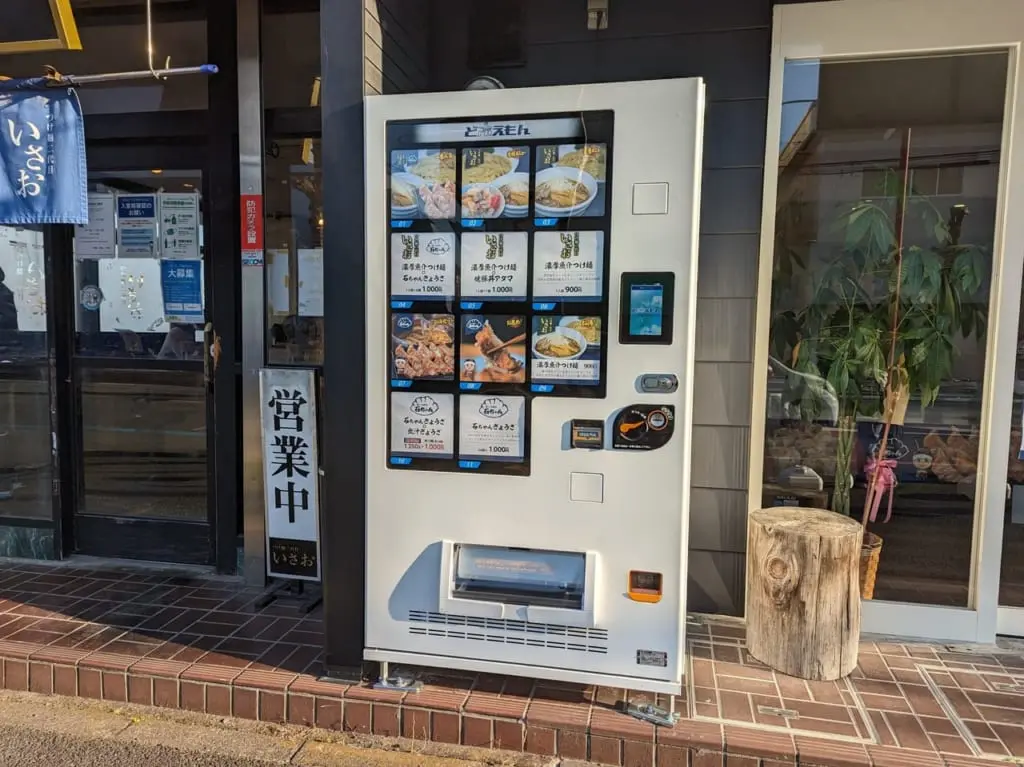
<point x="875" y="320"/>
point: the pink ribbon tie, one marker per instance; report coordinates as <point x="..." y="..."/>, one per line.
<point x="884" y="483"/>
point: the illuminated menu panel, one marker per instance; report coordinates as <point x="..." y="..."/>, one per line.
<point x="498" y="238"/>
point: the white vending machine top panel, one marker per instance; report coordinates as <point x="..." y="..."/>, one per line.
<point x="531" y="288"/>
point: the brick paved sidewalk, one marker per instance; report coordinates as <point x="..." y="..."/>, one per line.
<point x="199" y="644"/>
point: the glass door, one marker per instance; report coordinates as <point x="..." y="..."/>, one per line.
<point x="886" y="197"/>
<point x="141" y="368"/>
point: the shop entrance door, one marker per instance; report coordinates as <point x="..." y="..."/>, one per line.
<point x="141" y="361"/>
<point x="891" y="120"/>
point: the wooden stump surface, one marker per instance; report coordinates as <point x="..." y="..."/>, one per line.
<point x="803" y="592"/>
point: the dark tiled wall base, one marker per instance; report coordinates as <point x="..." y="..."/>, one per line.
<point x="26" y="542"/>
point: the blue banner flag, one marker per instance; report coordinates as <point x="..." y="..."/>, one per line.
<point x="42" y="154"/>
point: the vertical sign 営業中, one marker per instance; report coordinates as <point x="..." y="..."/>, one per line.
<point x="290" y="473"/>
<point x="136" y="225"/>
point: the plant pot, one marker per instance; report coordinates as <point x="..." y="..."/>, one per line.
<point x="870" y="554"/>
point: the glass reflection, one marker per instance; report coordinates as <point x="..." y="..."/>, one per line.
<point x="294" y="257"/>
<point x="25" y="459"/>
<point x="886" y="208"/>
<point x="144" y="443"/>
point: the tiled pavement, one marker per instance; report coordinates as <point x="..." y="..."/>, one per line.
<point x="199" y="644"/>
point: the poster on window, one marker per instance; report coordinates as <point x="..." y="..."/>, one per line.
<point x="290" y="472"/>
<point x="98" y="238"/>
<point x="179" y="225"/>
<point x="136" y="226"/>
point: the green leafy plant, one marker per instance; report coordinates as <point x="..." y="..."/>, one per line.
<point x="874" y="317"/>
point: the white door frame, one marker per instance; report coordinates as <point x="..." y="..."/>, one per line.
<point x="854" y="29"/>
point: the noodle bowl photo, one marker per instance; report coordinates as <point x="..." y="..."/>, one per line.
<point x="562" y="344"/>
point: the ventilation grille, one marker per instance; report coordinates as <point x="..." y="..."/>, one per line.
<point x="551" y="636"/>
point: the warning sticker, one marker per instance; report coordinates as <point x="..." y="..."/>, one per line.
<point x="652" y="658"/>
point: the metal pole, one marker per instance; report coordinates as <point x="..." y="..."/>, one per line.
<point x="142" y="74"/>
<point x="250" y="149"/>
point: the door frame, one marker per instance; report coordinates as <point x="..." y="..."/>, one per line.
<point x="107" y="535"/>
<point x="864" y="29"/>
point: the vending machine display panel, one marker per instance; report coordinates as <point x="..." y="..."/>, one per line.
<point x="501" y="287"/>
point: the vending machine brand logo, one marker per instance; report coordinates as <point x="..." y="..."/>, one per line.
<point x="488" y="130"/>
<point x="495" y="246"/>
<point x="410" y="246"/>
<point x="424" y="406"/>
<point x="570" y="245"/>
<point x="493" y="407"/>
<point x="438" y="246"/>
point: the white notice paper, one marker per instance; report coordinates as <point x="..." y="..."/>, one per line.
<point x="311" y="282"/>
<point x="494" y="265"/>
<point x="179" y="225"/>
<point x="98" y="238"/>
<point x="491" y="427"/>
<point x="278" y="281"/>
<point x="422" y="425"/>
<point x="423" y="266"/>
<point x="136" y="226"/>
<point x="568" y="266"/>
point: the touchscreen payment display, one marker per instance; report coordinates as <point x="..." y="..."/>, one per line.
<point x="645" y="309"/>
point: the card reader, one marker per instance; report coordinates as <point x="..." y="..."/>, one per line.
<point x="586" y="434"/>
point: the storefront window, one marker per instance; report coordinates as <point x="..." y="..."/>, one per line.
<point x="25" y="461"/>
<point x="872" y="154"/>
<point x="294" y="259"/>
<point x="131" y="301"/>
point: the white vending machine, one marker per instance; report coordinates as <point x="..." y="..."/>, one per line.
<point x="531" y="284"/>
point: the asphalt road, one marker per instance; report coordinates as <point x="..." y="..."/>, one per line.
<point x="52" y="731"/>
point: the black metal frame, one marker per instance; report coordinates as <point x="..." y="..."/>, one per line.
<point x="224" y="238"/>
<point x="343" y="502"/>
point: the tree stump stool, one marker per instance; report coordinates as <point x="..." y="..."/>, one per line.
<point x="803" y="591"/>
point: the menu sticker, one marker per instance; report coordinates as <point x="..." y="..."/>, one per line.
<point x="422" y="347"/>
<point x="423" y="183"/>
<point x="423" y="266"/>
<point x="494" y="265"/>
<point x="422" y="425"/>
<point x="571" y="180"/>
<point x="566" y="350"/>
<point x="495" y="182"/>
<point x="568" y="266"/>
<point x="492" y="350"/>
<point x="492" y="427"/>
